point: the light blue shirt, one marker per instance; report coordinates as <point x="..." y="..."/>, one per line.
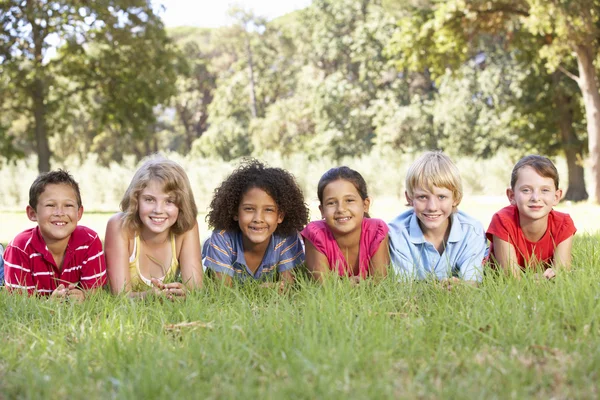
<point x="413" y="256"/>
<point x="223" y="252"/>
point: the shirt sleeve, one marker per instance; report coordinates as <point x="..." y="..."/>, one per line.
<point x="314" y="235"/>
<point x="292" y="253"/>
<point x="93" y="266"/>
<point x="567" y="229"/>
<point x="17" y="270"/>
<point x="380" y="231"/>
<point x="500" y="228"/>
<point x="400" y="254"/>
<point x="218" y="255"/>
<point x="470" y="263"/>
<point x="1" y="270"/>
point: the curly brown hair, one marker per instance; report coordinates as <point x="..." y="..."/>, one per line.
<point x="276" y="182"/>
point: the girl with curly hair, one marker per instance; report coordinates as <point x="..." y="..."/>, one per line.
<point x="347" y="241"/>
<point x="256" y="215"/>
<point x="154" y="242"/>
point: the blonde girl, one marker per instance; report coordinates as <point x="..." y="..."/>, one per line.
<point x="153" y="244"/>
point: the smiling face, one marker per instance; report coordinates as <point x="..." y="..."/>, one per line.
<point x="433" y="208"/>
<point x="343" y="209"/>
<point x="533" y="194"/>
<point x="156" y="208"/>
<point x="57" y="212"/>
<point x="258" y="217"/>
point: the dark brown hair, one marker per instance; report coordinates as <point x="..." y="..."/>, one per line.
<point x="343" y="173"/>
<point x="542" y="165"/>
<point x="52" y="178"/>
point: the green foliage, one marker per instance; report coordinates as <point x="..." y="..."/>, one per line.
<point x="506" y="338"/>
<point x="113" y="64"/>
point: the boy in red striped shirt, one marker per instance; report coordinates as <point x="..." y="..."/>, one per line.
<point x="57" y="258"/>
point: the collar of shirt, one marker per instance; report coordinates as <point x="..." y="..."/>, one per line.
<point x="268" y="259"/>
<point x="39" y="245"/>
<point x="417" y="237"/>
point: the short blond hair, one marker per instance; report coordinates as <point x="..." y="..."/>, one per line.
<point x="174" y="180"/>
<point x="434" y="168"/>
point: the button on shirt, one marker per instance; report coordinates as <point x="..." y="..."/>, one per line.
<point x="223" y="252"/>
<point x="412" y="255"/>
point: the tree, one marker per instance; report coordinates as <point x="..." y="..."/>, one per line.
<point x="54" y="51"/>
<point x="451" y="32"/>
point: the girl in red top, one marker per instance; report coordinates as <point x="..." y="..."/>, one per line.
<point x="346" y="240"/>
<point x="529" y="233"/>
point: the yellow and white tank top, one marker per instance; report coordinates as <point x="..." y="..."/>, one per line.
<point x="140" y="282"/>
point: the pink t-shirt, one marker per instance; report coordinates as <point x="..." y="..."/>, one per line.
<point x="373" y="231"/>
<point x="505" y="225"/>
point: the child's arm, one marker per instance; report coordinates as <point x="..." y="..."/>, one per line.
<point x="470" y="261"/>
<point x="506" y="256"/>
<point x="381" y="259"/>
<point x="17" y="271"/>
<point x="223" y="278"/>
<point x="190" y="259"/>
<point x="316" y="262"/>
<point x="562" y="254"/>
<point x="116" y="246"/>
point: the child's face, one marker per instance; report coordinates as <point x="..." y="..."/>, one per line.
<point x="342" y="207"/>
<point x="433" y="208"/>
<point x="533" y="194"/>
<point x="56" y="213"/>
<point x="156" y="208"/>
<point x="258" y="217"/>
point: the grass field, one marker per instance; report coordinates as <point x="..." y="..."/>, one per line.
<point x="505" y="339"/>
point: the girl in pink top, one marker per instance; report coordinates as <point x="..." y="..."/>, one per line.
<point x="346" y="240"/>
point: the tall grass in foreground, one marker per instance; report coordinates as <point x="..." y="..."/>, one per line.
<point x="505" y="339"/>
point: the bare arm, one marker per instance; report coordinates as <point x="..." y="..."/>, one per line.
<point x="562" y="254"/>
<point x="381" y="259"/>
<point x="190" y="259"/>
<point x="223" y="278"/>
<point x="316" y="262"/>
<point x="116" y="251"/>
<point x="506" y="257"/>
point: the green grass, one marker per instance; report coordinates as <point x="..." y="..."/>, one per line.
<point x="505" y="339"/>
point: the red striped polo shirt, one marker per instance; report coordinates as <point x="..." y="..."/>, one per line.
<point x="29" y="265"/>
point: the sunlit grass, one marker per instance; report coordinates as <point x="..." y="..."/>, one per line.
<point x="507" y="338"/>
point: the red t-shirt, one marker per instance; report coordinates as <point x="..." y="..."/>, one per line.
<point x="373" y="231"/>
<point x="30" y="266"/>
<point x="505" y="225"/>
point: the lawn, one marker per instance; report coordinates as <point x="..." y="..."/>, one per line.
<point x="504" y="339"/>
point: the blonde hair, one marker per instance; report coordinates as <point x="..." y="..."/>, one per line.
<point x="174" y="180"/>
<point x="434" y="168"/>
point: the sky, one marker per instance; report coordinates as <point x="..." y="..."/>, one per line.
<point x="213" y="13"/>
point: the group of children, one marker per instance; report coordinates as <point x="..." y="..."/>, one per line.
<point x="261" y="231"/>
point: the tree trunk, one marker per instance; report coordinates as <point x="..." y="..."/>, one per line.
<point x="591" y="99"/>
<point x="41" y="132"/>
<point x="38" y="96"/>
<point x="572" y="146"/>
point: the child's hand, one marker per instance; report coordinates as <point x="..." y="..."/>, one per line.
<point x="170" y="290"/>
<point x="449" y="283"/>
<point x="75" y="293"/>
<point x="71" y="292"/>
<point x="549" y="274"/>
<point x="60" y="292"/>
